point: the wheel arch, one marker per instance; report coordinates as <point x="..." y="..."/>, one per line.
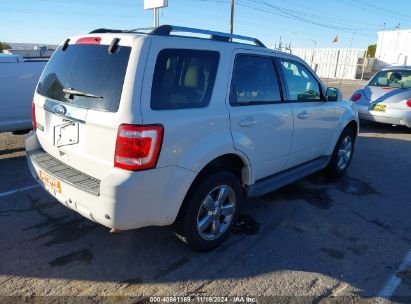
<point x="354" y="126"/>
<point x="348" y="119"/>
<point x="237" y="164"/>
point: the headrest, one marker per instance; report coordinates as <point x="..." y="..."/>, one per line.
<point x="382" y="81"/>
<point x="407" y="84"/>
<point x="191" y="78"/>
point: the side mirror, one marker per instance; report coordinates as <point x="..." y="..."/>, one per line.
<point x="333" y="94"/>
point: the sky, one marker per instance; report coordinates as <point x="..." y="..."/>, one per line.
<point x="303" y="23"/>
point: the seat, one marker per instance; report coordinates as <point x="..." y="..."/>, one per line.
<point x="382" y="81"/>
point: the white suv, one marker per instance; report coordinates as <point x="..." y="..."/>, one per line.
<point x="133" y="129"/>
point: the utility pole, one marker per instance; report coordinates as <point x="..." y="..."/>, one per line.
<point x="232" y="17"/>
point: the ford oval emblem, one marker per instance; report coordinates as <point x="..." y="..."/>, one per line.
<point x="59" y="110"/>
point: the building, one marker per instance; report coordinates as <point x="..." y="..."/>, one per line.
<point x="31" y="50"/>
<point x="33" y="54"/>
<point x="334" y="63"/>
<point x="393" y="48"/>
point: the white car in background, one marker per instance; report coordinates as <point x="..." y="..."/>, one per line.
<point x="386" y="98"/>
<point x="18" y="80"/>
<point x="134" y="129"/>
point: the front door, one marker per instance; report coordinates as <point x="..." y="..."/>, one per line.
<point x="314" y="117"/>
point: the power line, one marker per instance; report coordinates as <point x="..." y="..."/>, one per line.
<point x="282" y="12"/>
<point x="296" y="17"/>
<point x="322" y="14"/>
<point x="377" y="9"/>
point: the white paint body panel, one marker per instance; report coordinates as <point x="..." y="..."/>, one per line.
<point x="192" y="138"/>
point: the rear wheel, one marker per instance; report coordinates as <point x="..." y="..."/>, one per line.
<point x="342" y="155"/>
<point x="209" y="211"/>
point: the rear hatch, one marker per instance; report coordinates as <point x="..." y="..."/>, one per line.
<point x="84" y="94"/>
<point x="389" y="86"/>
<point x="386" y="94"/>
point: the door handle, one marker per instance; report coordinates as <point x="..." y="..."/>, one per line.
<point x="303" y="115"/>
<point x="249" y="122"/>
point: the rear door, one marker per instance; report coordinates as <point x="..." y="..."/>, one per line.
<point x="83" y="95"/>
<point x="314" y="117"/>
<point x="261" y="122"/>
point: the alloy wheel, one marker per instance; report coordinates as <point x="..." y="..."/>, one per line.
<point x="216" y="212"/>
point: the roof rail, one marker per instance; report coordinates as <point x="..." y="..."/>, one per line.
<point x="143" y="30"/>
<point x="165" y="30"/>
<point x="104" y="30"/>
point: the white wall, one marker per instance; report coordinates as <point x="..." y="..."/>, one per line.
<point x="332" y="63"/>
<point x="394" y="48"/>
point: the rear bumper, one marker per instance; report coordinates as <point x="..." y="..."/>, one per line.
<point x="391" y="116"/>
<point x="125" y="200"/>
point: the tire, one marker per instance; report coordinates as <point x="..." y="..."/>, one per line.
<point x="209" y="211"/>
<point x="339" y="161"/>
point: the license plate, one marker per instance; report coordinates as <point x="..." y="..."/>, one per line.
<point x="379" y="107"/>
<point x="50" y="181"/>
<point x="66" y="134"/>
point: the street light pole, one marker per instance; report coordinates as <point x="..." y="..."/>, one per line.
<point x="312" y="56"/>
<point x="232" y="17"/>
<point x="156" y="16"/>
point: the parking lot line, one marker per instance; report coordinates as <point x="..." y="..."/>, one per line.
<point x="392" y="284"/>
<point x="7" y="193"/>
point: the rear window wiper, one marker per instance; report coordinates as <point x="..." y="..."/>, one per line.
<point x="70" y="92"/>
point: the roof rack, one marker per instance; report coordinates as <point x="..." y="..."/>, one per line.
<point x="104" y="30"/>
<point x="165" y="30"/>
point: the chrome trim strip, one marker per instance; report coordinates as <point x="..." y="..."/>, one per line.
<point x="75" y="114"/>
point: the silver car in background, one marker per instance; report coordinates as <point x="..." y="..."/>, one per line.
<point x="386" y="98"/>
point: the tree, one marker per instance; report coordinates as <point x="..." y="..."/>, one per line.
<point x="4" y="46"/>
<point x="371" y="50"/>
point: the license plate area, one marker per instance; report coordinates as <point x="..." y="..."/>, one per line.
<point x="50" y="181"/>
<point x="66" y="134"/>
<point x="379" y="107"/>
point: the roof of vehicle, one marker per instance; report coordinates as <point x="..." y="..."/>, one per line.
<point x="166" y="30"/>
<point x="396" y="68"/>
<point x="212" y="36"/>
<point x="7" y="58"/>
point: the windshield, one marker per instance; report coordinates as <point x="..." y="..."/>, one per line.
<point x="87" y="71"/>
<point x="393" y="79"/>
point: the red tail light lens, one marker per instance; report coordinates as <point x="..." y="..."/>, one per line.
<point x="356" y="97"/>
<point x="138" y="147"/>
<point x="33" y="116"/>
<point x="409" y="103"/>
<point x="89" y="40"/>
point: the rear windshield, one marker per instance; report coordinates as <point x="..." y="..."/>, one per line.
<point x="392" y="78"/>
<point x="88" y="69"/>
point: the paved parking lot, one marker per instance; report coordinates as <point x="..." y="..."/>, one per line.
<point x="318" y="238"/>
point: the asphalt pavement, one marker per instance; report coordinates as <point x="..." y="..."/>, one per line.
<point x="319" y="239"/>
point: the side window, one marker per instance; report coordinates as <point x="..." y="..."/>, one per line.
<point x="254" y="81"/>
<point x="183" y="79"/>
<point x="301" y="84"/>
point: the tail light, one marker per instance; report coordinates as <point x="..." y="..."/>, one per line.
<point x="409" y="103"/>
<point x="356" y="97"/>
<point x="33" y="116"/>
<point x="138" y="147"/>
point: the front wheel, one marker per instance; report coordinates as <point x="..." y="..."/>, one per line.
<point x="342" y="155"/>
<point x="209" y="211"/>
